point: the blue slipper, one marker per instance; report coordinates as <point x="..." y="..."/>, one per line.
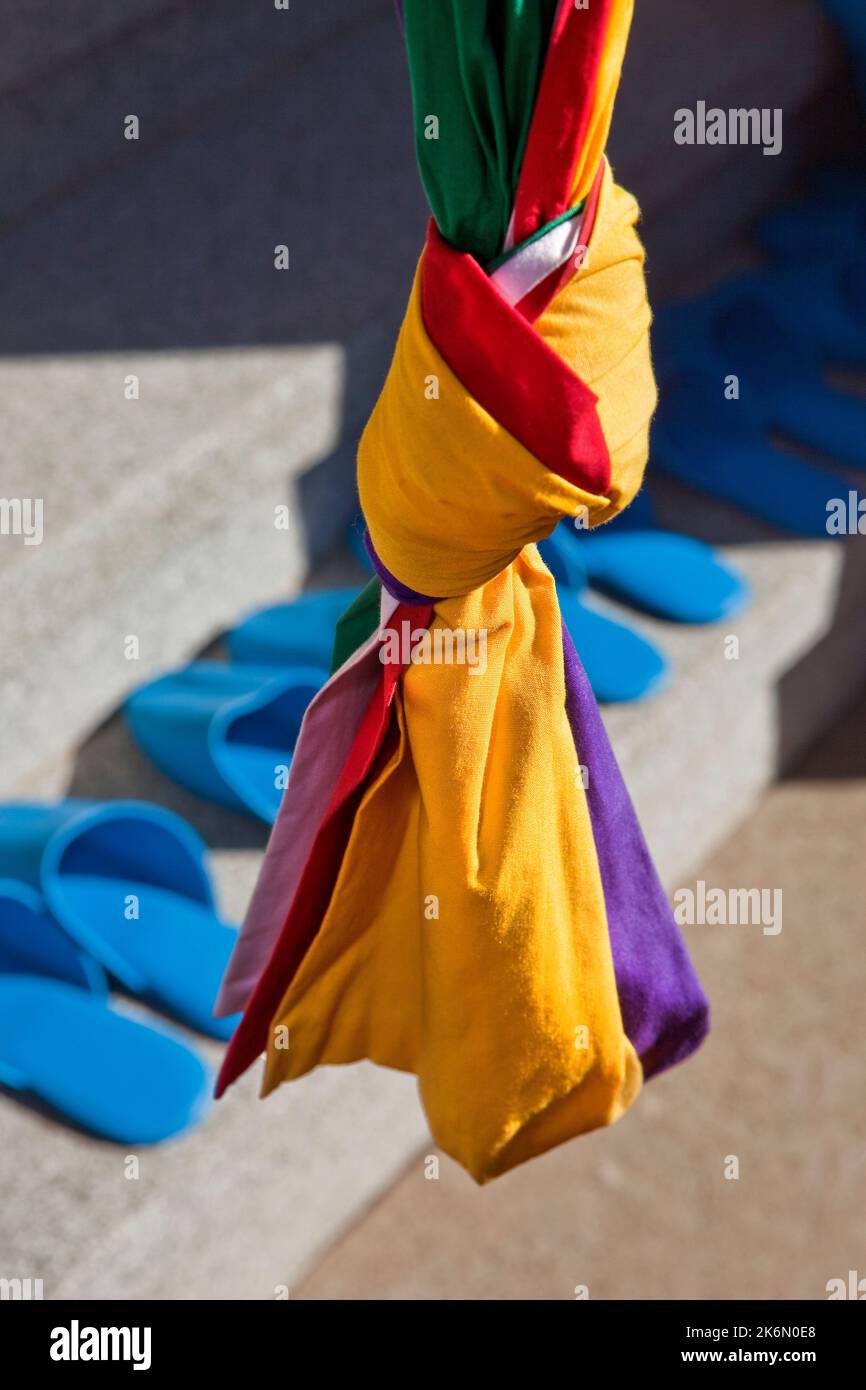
<point x="818" y="287"/>
<point x="226" y="732"/>
<point x="114" y="1077"/>
<point x="299" y="633"/>
<point x="62" y="1043"/>
<point x="720" y="447"/>
<point x="33" y="943"/>
<point x="658" y="572"/>
<point x="127" y="882"/>
<point x="620" y="664"/>
<point x="808" y="235"/>
<point x="737" y="330"/>
<point x="825" y="309"/>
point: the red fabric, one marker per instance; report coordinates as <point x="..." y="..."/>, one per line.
<point x="320" y="871"/>
<point x="533" y="305"/>
<point x="509" y="369"/>
<point x="562" y="114"/>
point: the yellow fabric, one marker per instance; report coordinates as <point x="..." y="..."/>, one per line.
<point x="449" y="496"/>
<point x="466" y="939"/>
<point x="477" y="815"/>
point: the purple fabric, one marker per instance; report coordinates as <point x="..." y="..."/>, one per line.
<point x="395" y="588"/>
<point x="664" y="1010"/>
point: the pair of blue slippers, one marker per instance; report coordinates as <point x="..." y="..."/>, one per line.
<point x="96" y="895"/>
<point x="747" y="366"/>
<point x="776" y="334"/>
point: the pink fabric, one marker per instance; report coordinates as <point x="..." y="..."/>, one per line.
<point x="326" y="737"/>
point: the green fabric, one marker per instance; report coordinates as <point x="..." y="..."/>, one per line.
<point x="475" y="65"/>
<point x="359" y="622"/>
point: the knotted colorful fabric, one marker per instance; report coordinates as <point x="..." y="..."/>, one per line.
<point x="457" y="885"/>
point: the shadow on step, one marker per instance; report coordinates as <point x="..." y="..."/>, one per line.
<point x="111" y="766"/>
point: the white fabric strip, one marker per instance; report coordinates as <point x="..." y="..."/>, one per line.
<point x="533" y="263"/>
